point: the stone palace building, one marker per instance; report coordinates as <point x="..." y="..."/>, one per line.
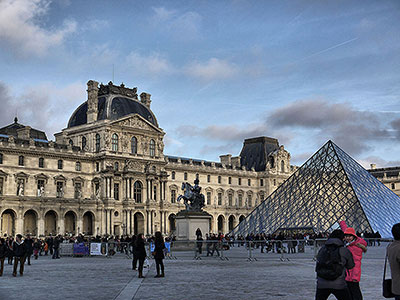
<point x="106" y="173"/>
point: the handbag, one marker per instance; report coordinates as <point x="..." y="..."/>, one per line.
<point x="387" y="283"/>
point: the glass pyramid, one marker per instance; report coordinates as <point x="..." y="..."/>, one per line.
<point x="329" y="187"/>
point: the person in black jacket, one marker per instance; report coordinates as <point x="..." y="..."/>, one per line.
<point x="140" y="253"/>
<point x="29" y="248"/>
<point x="3" y="254"/>
<point x="56" y="247"/>
<point x="159" y="247"/>
<point x="337" y="286"/>
<point x="19" y="250"/>
<point x="134" y="258"/>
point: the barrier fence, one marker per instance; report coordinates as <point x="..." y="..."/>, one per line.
<point x="283" y="250"/>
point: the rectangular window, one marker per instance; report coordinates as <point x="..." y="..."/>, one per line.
<point x="40" y="187"/>
<point x="78" y="166"/>
<point x="155" y="192"/>
<point x="116" y="191"/>
<point x="208" y="198"/>
<point x="393" y="186"/>
<point x="78" y="190"/>
<point x="41" y="162"/>
<point x="21" y="160"/>
<point x="185" y="176"/>
<point x="60" y="164"/>
<point x="249" y="182"/>
<point x="219" y="198"/>
<point x="239" y="181"/>
<point x="97" y="167"/>
<point x="1" y="158"/>
<point x="208" y="178"/>
<point x="1" y="186"/>
<point x="261" y="182"/>
<point x="219" y="179"/>
<point x="173" y="175"/>
<point x="229" y="180"/>
<point x="249" y="201"/>
<point x="240" y="198"/>
<point x="173" y="196"/>
<point x="230" y="198"/>
<point x="60" y="189"/>
<point x="274" y="182"/>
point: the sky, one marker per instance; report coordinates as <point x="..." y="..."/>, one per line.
<point x="219" y="72"/>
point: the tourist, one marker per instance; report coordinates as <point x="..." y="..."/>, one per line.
<point x="140" y="253"/>
<point x="56" y="247"/>
<point x="50" y="242"/>
<point x="199" y="243"/>
<point x="3" y="254"/>
<point x="10" y="252"/>
<point x="329" y="282"/>
<point x="134" y="258"/>
<point x="158" y="253"/>
<point x="36" y="248"/>
<point x="29" y="248"/>
<point x="393" y="253"/>
<point x="208" y="245"/>
<point x="19" y="250"/>
<point x="357" y="247"/>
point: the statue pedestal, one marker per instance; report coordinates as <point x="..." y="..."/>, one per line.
<point x="187" y="223"/>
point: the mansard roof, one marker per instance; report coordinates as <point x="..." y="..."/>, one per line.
<point x="12" y="130"/>
<point x="255" y="152"/>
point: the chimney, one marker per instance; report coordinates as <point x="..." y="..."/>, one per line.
<point x="145" y="99"/>
<point x="373" y="166"/>
<point x="225" y="159"/>
<point x="92" y="101"/>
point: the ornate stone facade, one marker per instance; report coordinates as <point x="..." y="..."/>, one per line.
<point x="106" y="173"/>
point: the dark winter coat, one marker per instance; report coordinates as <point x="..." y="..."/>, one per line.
<point x="3" y="250"/>
<point x="19" y="249"/>
<point x="159" y="247"/>
<point x="347" y="261"/>
<point x="140" y="251"/>
<point x="29" y="245"/>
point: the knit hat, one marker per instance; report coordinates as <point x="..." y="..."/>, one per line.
<point x="350" y="231"/>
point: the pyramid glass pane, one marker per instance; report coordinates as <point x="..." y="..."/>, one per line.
<point x="327" y="188"/>
<point x="380" y="204"/>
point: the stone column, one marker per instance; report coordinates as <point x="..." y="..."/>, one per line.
<point x="147" y="222"/>
<point x="106" y="221"/>
<point x="40" y="226"/>
<point x="79" y="224"/>
<point x="61" y="224"/>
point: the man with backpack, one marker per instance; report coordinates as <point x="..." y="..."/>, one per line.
<point x="332" y="261"/>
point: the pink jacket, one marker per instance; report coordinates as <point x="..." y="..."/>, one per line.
<point x="355" y="273"/>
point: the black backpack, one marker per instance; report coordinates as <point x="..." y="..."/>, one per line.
<point x="329" y="264"/>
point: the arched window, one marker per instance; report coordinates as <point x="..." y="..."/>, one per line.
<point x="272" y="161"/>
<point x="77" y="166"/>
<point x="21" y="160"/>
<point x="114" y="142"/>
<point x="133" y="145"/>
<point x="137" y="191"/>
<point x="71" y="142"/>
<point x="282" y="166"/>
<point x="97" y="142"/>
<point x="41" y="162"/>
<point x="230" y="199"/>
<point x="152" y="148"/>
<point x="83" y="142"/>
<point x="60" y="164"/>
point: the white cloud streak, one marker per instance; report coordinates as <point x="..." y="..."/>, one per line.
<point x="21" y="32"/>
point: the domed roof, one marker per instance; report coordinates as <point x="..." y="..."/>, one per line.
<point x="112" y="107"/>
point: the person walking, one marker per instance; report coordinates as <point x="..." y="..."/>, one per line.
<point x="134" y="258"/>
<point x="357" y="247"/>
<point x="393" y="253"/>
<point x="29" y="248"/>
<point x="140" y="253"/>
<point x="3" y="254"/>
<point x="332" y="261"/>
<point x="56" y="247"/>
<point x="36" y="248"/>
<point x="19" y="250"/>
<point x="159" y="247"/>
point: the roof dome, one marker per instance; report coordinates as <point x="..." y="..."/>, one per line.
<point x="112" y="107"/>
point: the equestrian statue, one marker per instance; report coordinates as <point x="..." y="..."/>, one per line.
<point x="192" y="196"/>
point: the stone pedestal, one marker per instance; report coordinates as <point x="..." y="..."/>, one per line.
<point x="187" y="223"/>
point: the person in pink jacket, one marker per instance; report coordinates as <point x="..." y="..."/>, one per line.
<point x="357" y="247"/>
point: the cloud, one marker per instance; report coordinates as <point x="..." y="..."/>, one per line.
<point x="152" y="64"/>
<point x="380" y="163"/>
<point x="21" y="32"/>
<point x="396" y="126"/>
<point x="223" y="133"/>
<point x="213" y="69"/>
<point x="182" y="26"/>
<point x="352" y="129"/>
<point x="39" y="106"/>
<point x="95" y="25"/>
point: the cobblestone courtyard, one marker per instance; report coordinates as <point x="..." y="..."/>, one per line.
<point x="208" y="278"/>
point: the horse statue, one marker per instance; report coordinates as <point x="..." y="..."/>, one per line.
<point x="192" y="197"/>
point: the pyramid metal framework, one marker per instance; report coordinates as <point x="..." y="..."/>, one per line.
<point x="327" y="188"/>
